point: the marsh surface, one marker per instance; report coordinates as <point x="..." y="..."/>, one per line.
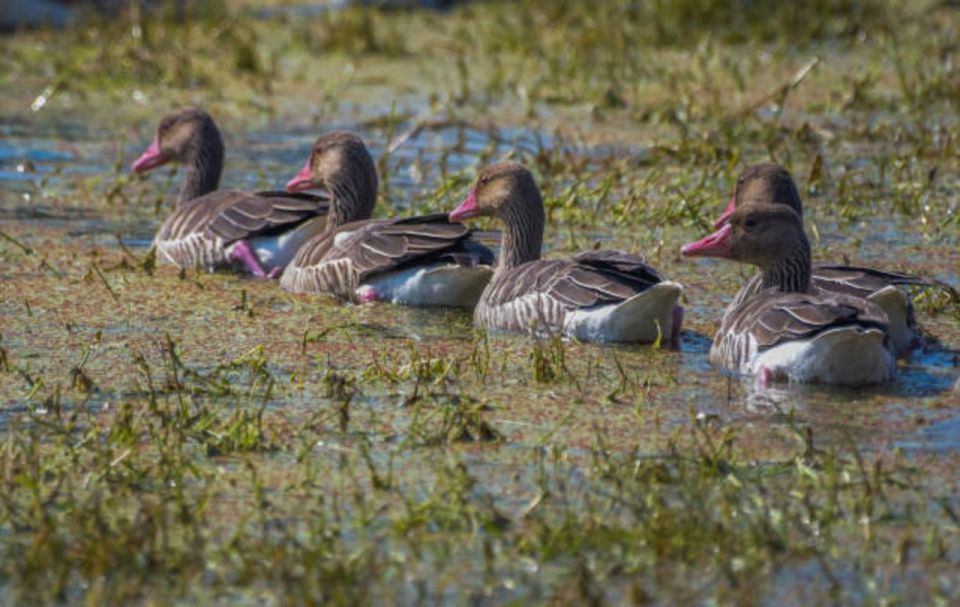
<point x="181" y="435"/>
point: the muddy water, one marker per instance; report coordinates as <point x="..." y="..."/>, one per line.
<point x="41" y="164"/>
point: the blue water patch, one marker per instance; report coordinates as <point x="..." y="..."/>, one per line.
<point x="17" y="176"/>
<point x="12" y="154"/>
<point x="938" y="436"/>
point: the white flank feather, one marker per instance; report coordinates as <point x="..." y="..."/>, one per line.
<point x="845" y="356"/>
<point x="645" y="317"/>
<point x="433" y="285"/>
<point x="277" y="251"/>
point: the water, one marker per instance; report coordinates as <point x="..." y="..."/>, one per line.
<point x="389" y="389"/>
<point x="265" y="159"/>
<point x="58" y="207"/>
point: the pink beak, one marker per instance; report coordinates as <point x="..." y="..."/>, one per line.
<point x="467" y="209"/>
<point x="303" y="181"/>
<point x="731" y="207"/>
<point x="718" y="244"/>
<point x="150" y="159"/>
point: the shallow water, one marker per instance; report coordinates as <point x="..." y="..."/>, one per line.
<point x="265" y="158"/>
<point x="71" y="301"/>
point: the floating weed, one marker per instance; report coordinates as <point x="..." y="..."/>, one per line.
<point x="548" y="360"/>
<point x="937" y="301"/>
<point x="378" y="479"/>
<point x="420" y="366"/>
<point x="23" y="248"/>
<point x="4" y="357"/>
<point x="341" y="389"/>
<point x="448" y="419"/>
<point x="241" y="431"/>
<point x="480" y="355"/>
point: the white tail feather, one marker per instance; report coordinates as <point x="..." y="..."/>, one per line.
<point x="644" y="318"/>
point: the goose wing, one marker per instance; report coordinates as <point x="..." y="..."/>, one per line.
<point x="773" y="317"/>
<point x="234" y="215"/>
<point x="862" y="282"/>
<point x="241" y="215"/>
<point x="582" y="281"/>
<point x="340" y="261"/>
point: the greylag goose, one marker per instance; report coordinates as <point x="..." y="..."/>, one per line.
<point x="787" y="329"/>
<point x="256" y="231"/>
<point x="425" y="261"/>
<point x="768" y="183"/>
<point x="603" y="295"/>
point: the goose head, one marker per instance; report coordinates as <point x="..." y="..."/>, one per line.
<point x="183" y="136"/>
<point x="765" y="183"/>
<point x="770" y="237"/>
<point x="751" y="234"/>
<point x="340" y="164"/>
<point x="501" y="190"/>
<point x="507" y="191"/>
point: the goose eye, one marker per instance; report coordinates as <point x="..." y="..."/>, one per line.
<point x="750" y="223"/>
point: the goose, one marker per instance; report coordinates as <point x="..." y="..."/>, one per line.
<point x="788" y="330"/>
<point x="253" y="231"/>
<point x="421" y="261"/>
<point x="769" y="183"/>
<point x="599" y="296"/>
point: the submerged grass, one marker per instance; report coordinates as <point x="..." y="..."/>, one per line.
<point x="131" y="502"/>
<point x="179" y="436"/>
<point x="348" y="463"/>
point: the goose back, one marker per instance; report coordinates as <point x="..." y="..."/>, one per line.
<point x="339" y="261"/>
<point x="200" y="230"/>
<point x="540" y="293"/>
<point x="770" y="318"/>
<point x="866" y="283"/>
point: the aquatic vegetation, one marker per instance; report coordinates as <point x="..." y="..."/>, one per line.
<point x="183" y="436"/>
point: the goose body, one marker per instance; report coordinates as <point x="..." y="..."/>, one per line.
<point x="207" y="231"/>
<point x="782" y="327"/>
<point x="255" y="232"/>
<point x="882" y="288"/>
<point x="599" y="296"/>
<point x="805" y="338"/>
<point x="769" y="183"/>
<point x="423" y="261"/>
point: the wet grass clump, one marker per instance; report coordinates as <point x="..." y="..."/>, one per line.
<point x="156" y="497"/>
<point x="325" y="455"/>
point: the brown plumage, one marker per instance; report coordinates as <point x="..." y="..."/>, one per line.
<point x="207" y="223"/>
<point x="783" y="307"/>
<point x="200" y="231"/>
<point x="557" y="295"/>
<point x="586" y="279"/>
<point x="353" y="250"/>
<point x="770" y="184"/>
<point x="773" y="317"/>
